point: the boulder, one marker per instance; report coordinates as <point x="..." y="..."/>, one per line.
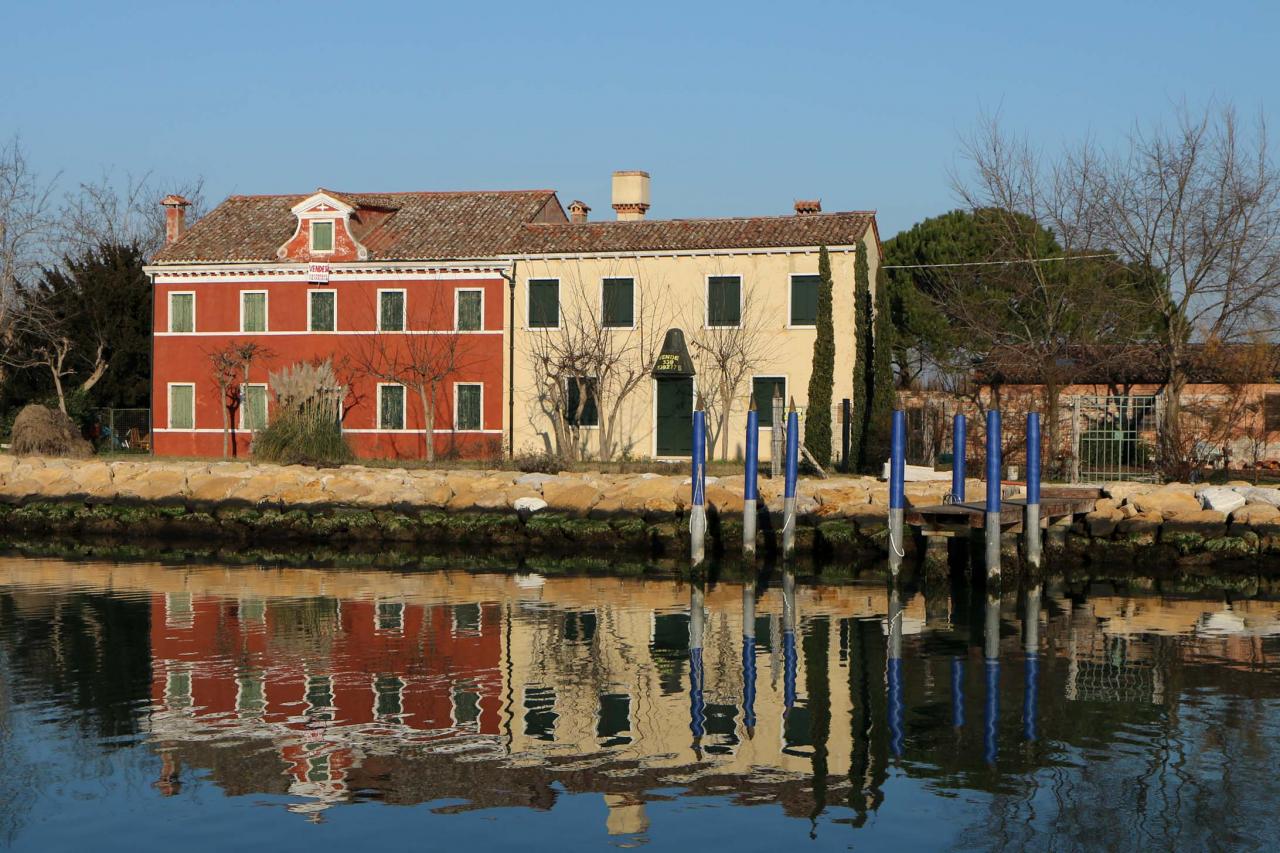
<point x="1121" y="491"/>
<point x="570" y="496"/>
<point x="207" y="487"/>
<point x="534" y="481"/>
<point x="1102" y="523"/>
<point x="1206" y="523"/>
<point x="1221" y="499"/>
<point x="1255" y="495"/>
<point x="1170" y="503"/>
<point x="529" y="505"/>
<point x="1251" y="514"/>
<point x="1140" y="529"/>
<point x="725" y="500"/>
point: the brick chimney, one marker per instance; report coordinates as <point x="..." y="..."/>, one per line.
<point x="175" y="217"/>
<point x="804" y="207"/>
<point x="631" y="195"/>
<point x="578" y="211"/>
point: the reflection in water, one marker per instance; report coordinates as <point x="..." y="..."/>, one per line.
<point x="465" y="692"/>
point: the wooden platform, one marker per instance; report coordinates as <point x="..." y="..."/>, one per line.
<point x="957" y="519"/>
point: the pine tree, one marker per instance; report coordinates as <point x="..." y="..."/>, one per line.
<point x="817" y="424"/>
<point x="861" y="359"/>
<point x="882" y="392"/>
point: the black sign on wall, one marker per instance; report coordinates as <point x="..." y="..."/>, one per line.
<point x="674" y="359"/>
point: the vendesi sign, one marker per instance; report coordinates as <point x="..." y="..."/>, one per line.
<point x="318" y="273"/>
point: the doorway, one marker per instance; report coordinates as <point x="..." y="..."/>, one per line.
<point x="674" y="420"/>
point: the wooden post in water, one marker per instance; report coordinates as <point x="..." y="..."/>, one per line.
<point x="789" y="487"/>
<point x="698" y="511"/>
<point x="1031" y="519"/>
<point x="750" y="491"/>
<point x="776" y="437"/>
<point x="994" y="497"/>
<point x="897" y="490"/>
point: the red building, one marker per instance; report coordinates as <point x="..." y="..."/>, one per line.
<point x="385" y="286"/>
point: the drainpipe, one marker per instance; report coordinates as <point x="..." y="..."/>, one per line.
<point x="511" y="360"/>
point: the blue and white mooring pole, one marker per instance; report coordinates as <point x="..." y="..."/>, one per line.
<point x="1031" y="523"/>
<point x="991" y="662"/>
<point x="1031" y="645"/>
<point x="994" y="497"/>
<point x="698" y="512"/>
<point x="959" y="443"/>
<point x="749" y="657"/>
<point x="750" y="493"/>
<point x="897" y="489"/>
<point x="789" y="489"/>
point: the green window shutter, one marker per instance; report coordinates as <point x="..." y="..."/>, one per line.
<point x="573" y="398"/>
<point x="468" y="407"/>
<point x="762" y="388"/>
<point x="255" y="407"/>
<point x="182" y="407"/>
<point x="544" y="303"/>
<point x="724" y="300"/>
<point x="804" y="300"/>
<point x="619" y="302"/>
<point x="470" y="310"/>
<point x="182" y="312"/>
<point x="391" y="414"/>
<point x="322" y="236"/>
<point x="391" y="311"/>
<point x="254" y="310"/>
<point x="323" y="310"/>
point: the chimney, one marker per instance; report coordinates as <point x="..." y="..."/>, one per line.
<point x="631" y="195"/>
<point x="175" y="217"/>
<point x="578" y="211"/>
<point x="804" y="207"/>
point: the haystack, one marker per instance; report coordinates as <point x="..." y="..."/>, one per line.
<point x="40" y="431"/>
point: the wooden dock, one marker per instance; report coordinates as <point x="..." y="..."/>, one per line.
<point x="1056" y="502"/>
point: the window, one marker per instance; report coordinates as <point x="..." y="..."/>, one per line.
<point x="391" y="310"/>
<point x="1271" y="412"/>
<point x="762" y="390"/>
<point x="804" y="300"/>
<point x="724" y="300"/>
<point x="389" y="696"/>
<point x="613" y="723"/>
<point x="544" y="303"/>
<point x="390" y="616"/>
<point x="466" y="705"/>
<point x="182" y="312"/>
<point x="322" y="310"/>
<point x="466" y="619"/>
<point x="470" y="316"/>
<point x="390" y="407"/>
<point x="251" y="693"/>
<point x="467" y="400"/>
<point x="540" y="712"/>
<point x="320" y="697"/>
<point x="618" y="310"/>
<point x="253" y="407"/>
<point x="577" y="412"/>
<point x="182" y="406"/>
<point x="322" y="236"/>
<point x="253" y="310"/>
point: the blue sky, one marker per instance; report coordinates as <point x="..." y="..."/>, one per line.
<point x="734" y="108"/>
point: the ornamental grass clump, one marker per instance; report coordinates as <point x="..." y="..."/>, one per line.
<point x="307" y="425"/>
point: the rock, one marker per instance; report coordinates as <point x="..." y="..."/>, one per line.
<point x="211" y="488"/>
<point x="1102" y="523"/>
<point x="164" y="484"/>
<point x="1121" y="491"/>
<point x="1255" y="495"/>
<point x="529" y="505"/>
<point x="1206" y="523"/>
<point x="725" y="500"/>
<point x="1251" y="514"/>
<point x="1221" y="499"/>
<point x="1170" y="503"/>
<point x="1140" y="529"/>
<point x="1105" y="505"/>
<point x="1129" y="510"/>
<point x="636" y="496"/>
<point x="572" y="496"/>
<point x="534" y="481"/>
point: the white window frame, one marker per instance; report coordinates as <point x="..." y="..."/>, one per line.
<point x="266" y="311"/>
<point x="457" y="306"/>
<point x="404" y="408"/>
<point x="786" y="384"/>
<point x="566" y="380"/>
<point x="244" y="400"/>
<point x="311" y="236"/>
<point x="311" y="293"/>
<point x="456" y="386"/>
<point x="377" y="617"/>
<point x="791" y="280"/>
<point x="169" y="406"/>
<point x="528" y="304"/>
<point x="706" y="296"/>
<point x="631" y="279"/>
<point x="192" y="294"/>
<point x="404" y="310"/>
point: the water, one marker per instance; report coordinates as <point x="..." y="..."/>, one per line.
<point x="200" y="707"/>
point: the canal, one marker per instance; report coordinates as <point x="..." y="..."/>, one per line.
<point x="197" y="707"/>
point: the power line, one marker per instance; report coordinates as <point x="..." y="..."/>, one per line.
<point x="997" y="263"/>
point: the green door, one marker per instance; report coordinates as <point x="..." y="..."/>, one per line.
<point x="675" y="417"/>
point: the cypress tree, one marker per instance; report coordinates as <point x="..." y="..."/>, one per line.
<point x="817" y="424"/>
<point x="861" y="360"/>
<point x="881" y="392"/>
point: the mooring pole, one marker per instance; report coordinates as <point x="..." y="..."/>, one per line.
<point x="991" y="660"/>
<point x="749" y="657"/>
<point x="750" y="493"/>
<point x="789" y="661"/>
<point x="776" y="435"/>
<point x="789" y="488"/>
<point x="958" y="446"/>
<point x="957" y="692"/>
<point x="993" y="494"/>
<point x="893" y="670"/>
<point x="698" y="512"/>
<point x="697" y="703"/>
<point x="1031" y="522"/>
<point x="897" y="490"/>
<point x="1031" y="645"/>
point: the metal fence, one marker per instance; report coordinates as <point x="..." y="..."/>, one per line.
<point x="121" y="430"/>
<point x="1115" y="438"/>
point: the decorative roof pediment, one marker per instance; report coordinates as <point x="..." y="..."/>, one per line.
<point x="323" y="202"/>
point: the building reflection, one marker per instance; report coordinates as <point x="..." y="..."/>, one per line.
<point x="495" y="689"/>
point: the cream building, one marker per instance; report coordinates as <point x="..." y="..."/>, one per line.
<point x="596" y="300"/>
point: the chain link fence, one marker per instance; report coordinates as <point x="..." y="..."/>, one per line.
<point x="121" y="430"/>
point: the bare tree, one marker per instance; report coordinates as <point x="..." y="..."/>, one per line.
<point x="230" y="366"/>
<point x="122" y="211"/>
<point x="26" y="232"/>
<point x="42" y="341"/>
<point x="725" y="357"/>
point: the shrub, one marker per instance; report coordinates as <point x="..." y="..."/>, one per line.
<point x="538" y="463"/>
<point x="40" y="431"/>
<point x="308" y="436"/>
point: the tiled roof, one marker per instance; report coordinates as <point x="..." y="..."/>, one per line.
<point x="818" y="229"/>
<point x="393" y="226"/>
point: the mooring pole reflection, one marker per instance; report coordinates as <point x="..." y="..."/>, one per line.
<point x="788" y="640"/>
<point x="893" y="670"/>
<point x="697" y="704"/>
<point x="1031" y="645"/>
<point x="991" y="660"/>
<point x="749" y="657"/>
